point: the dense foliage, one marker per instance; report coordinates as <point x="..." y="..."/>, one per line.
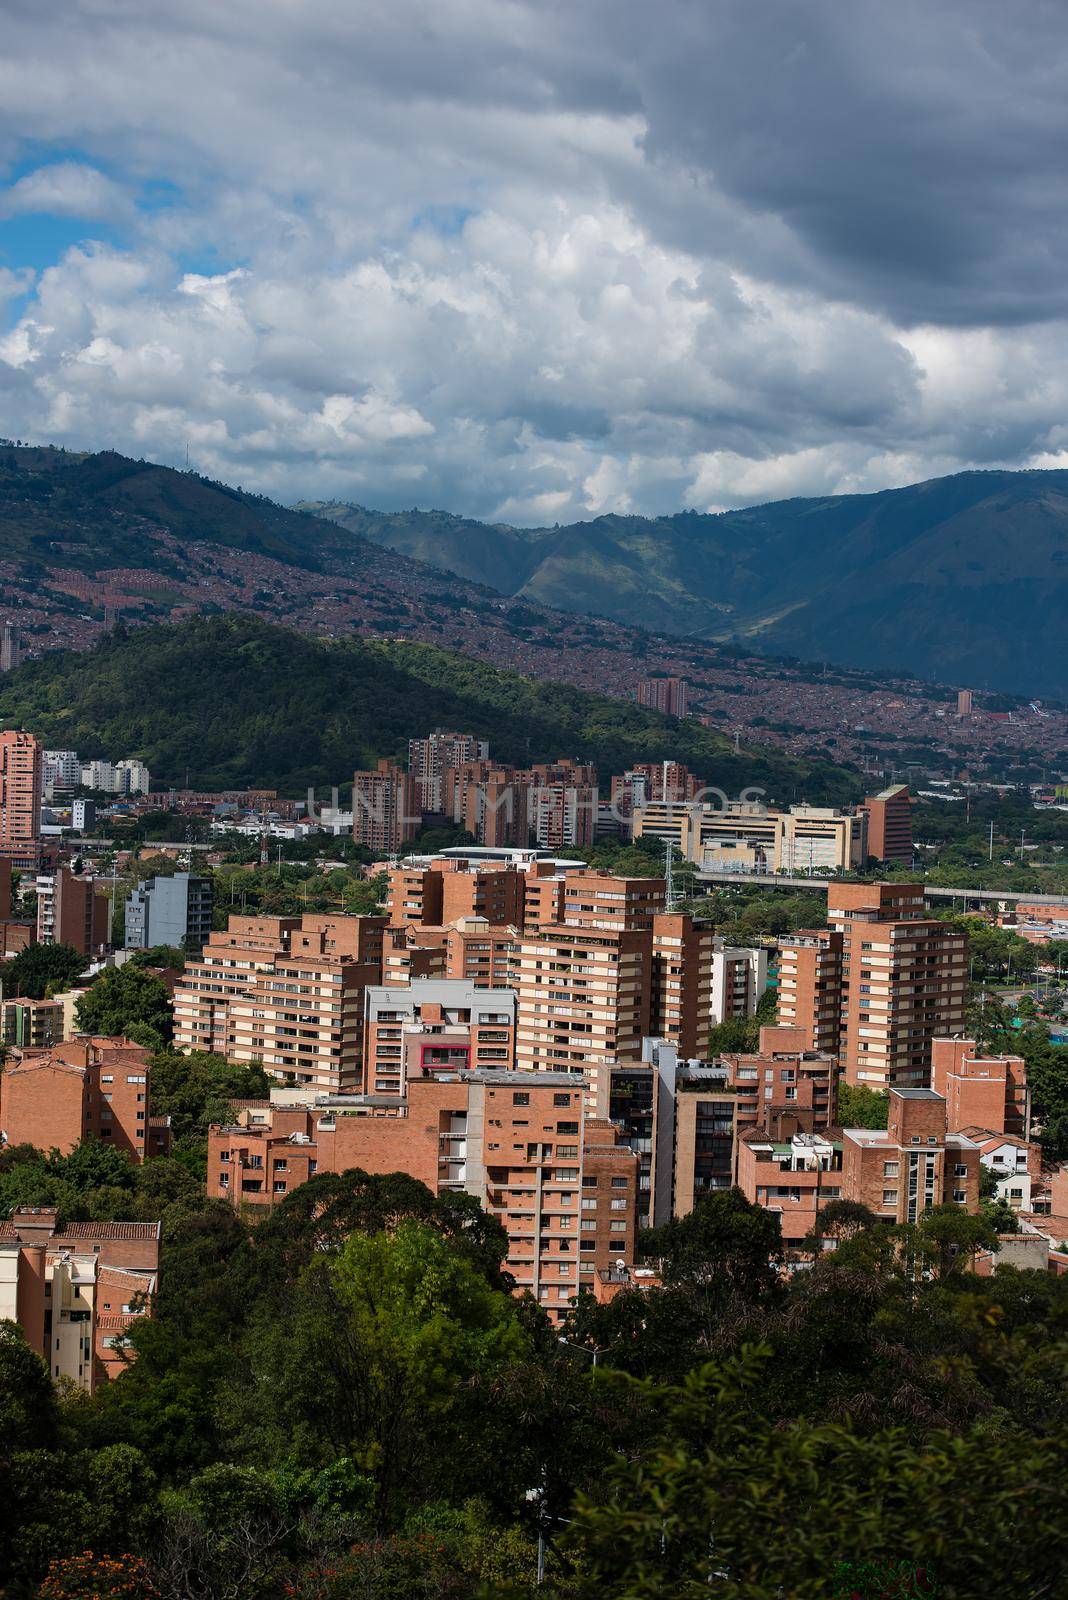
<point x="343" y="1400"/>
<point x="235" y="701"/>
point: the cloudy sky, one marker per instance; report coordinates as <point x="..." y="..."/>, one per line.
<point x="541" y="260"/>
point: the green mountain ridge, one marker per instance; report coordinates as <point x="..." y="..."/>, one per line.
<point x="961" y="579"/>
<point x="236" y="701"/>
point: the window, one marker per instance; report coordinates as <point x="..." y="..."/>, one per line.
<point x="960" y="1170"/>
<point x="567" y="1127"/>
<point x="959" y="1196"/>
<point x="891" y="1169"/>
<point x="889" y="1197"/>
<point x="520" y="1098"/>
<point x="619" y="1183"/>
<point x="619" y="1205"/>
<point x="561" y="1099"/>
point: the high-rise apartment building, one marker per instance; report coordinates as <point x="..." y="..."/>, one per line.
<point x="696" y="982"/>
<point x="648" y="783"/>
<point x="284" y="991"/>
<point x="20" y="799"/>
<point x="810" y="987"/>
<point x="10" y="648"/>
<point x="561" y="1182"/>
<point x="385" y="808"/>
<point x="492" y="802"/>
<point x="964" y="702"/>
<point x="904" y="976"/>
<point x="562" y="805"/>
<point x="431" y="758"/>
<point x="670" y="695"/>
<point x="73" y="908"/>
<point x="899" y="976"/>
<point x="170" y="911"/>
<point x="61" y="772"/>
<point x="435" y="893"/>
<point x="890" y="824"/>
<point x="584" y="1001"/>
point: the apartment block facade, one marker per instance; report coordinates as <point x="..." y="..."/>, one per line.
<point x="76" y="1290"/>
<point x="174" y="911"/>
<point x="286" y="992"/>
<point x="981" y="1090"/>
<point x="385" y="808"/>
<point x="561" y="1182"/>
<point x="913" y="1163"/>
<point x="669" y="695"/>
<point x="429" y="760"/>
<point x="810" y="987"/>
<point x="431" y="1026"/>
<point x="73" y="908"/>
<point x="21" y="757"/>
<point x="84" y="1088"/>
<point x="904" y="976"/>
<point x="878" y="986"/>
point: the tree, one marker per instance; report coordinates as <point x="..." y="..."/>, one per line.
<point x="129" y="1001"/>
<point x="730" y="1501"/>
<point x="378" y="1357"/>
<point x="196" y="1089"/>
<point x="861" y="1107"/>
<point x="724" y="1241"/>
<point x="949" y="1237"/>
<point x="40" y="970"/>
<point x="29" y="1417"/>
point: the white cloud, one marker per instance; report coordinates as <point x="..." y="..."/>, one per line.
<point x="538" y="261"/>
<point x="67" y="189"/>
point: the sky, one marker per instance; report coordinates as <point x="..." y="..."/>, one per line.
<point x="539" y="261"/>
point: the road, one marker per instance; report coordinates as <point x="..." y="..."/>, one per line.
<point x="932" y="891"/>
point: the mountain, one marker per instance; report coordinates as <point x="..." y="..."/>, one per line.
<point x="961" y="579"/>
<point x="233" y="700"/>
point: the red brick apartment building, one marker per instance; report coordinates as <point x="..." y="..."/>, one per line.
<point x="286" y="991"/>
<point x="895" y="976"/>
<point x="385" y="808"/>
<point x="890" y="824"/>
<point x="73" y="908"/>
<point x="85" y="1088"/>
<point x="21" y="756"/>
<point x="76" y="1291"/>
<point x="897" y="1172"/>
<point x="981" y="1091"/>
<point x="784" y="1087"/>
<point x="562" y="1183"/>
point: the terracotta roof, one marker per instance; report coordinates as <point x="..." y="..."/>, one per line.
<point x="92" y="1231"/>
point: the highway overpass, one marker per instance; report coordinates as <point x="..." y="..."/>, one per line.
<point x="963" y="898"/>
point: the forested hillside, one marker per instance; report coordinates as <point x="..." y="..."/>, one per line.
<point x="962" y="579"/>
<point x="232" y="700"/>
